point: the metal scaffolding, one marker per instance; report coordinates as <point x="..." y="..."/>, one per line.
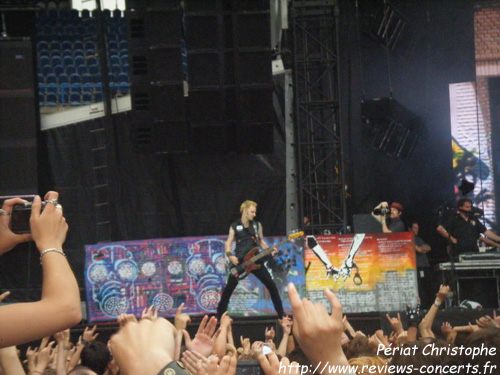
<point x="317" y="115"/>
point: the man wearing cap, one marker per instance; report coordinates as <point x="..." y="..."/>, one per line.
<point x="393" y="223"/>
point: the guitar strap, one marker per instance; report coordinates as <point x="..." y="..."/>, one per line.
<point x="256" y="225"/>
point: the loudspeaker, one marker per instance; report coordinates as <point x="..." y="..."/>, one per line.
<point x="18" y="118"/>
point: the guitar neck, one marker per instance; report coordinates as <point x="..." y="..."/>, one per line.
<point x="268" y="251"/>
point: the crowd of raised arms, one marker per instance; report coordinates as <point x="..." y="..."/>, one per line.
<point x="313" y="340"/>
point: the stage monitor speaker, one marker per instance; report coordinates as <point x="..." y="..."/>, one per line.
<point x="18" y="118"/>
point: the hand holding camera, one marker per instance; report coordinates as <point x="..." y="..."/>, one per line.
<point x="8" y="238"/>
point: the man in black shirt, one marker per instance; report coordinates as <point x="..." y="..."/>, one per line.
<point x="247" y="233"/>
<point x="463" y="231"/>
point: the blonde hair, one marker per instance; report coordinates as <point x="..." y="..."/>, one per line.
<point x="247" y="204"/>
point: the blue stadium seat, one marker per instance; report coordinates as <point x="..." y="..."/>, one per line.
<point x="75" y="99"/>
<point x="114" y="60"/>
<point x="86" y="79"/>
<point x="51" y="78"/>
<point x="58" y="69"/>
<point x="87" y="98"/>
<point x="85" y="13"/>
<point x="91" y="61"/>
<point x="97" y="78"/>
<point x="123" y="45"/>
<point x="125" y="68"/>
<point x="44" y="61"/>
<point x="56" y="52"/>
<point x="58" y="29"/>
<point x="70" y="30"/>
<point x="68" y="60"/>
<point x="89" y="44"/>
<point x="42" y="44"/>
<point x="79" y="60"/>
<point x="75" y="79"/>
<point x="93" y="69"/>
<point x="81" y="70"/>
<point x="56" y="60"/>
<point x="66" y="45"/>
<point x="90" y="53"/>
<point x="70" y="69"/>
<point x="50" y="99"/>
<point x="122" y="78"/>
<point x="124" y="59"/>
<point x="46" y="70"/>
<point x="78" y="52"/>
<point x="115" y="69"/>
<point x="55" y="45"/>
<point x="63" y="79"/>
<point x="67" y="52"/>
<point x="78" y="44"/>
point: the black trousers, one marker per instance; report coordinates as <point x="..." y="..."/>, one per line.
<point x="263" y="275"/>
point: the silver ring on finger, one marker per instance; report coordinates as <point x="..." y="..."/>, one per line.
<point x="4" y="213"/>
<point x="59" y="207"/>
<point x="53" y="201"/>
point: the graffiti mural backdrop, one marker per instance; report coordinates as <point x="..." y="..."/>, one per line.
<point x="126" y="277"/>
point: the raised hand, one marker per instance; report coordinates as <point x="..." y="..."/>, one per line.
<point x="89" y="334"/>
<point x="203" y="341"/>
<point x="396" y="324"/>
<point x="486" y="321"/>
<point x="124" y="318"/>
<point x="8" y="239"/>
<point x="150" y="313"/>
<point x="181" y="319"/>
<point x="317" y="332"/>
<point x="286" y="324"/>
<point x="269" y="333"/>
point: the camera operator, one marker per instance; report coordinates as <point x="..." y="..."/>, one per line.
<point x="393" y="222"/>
<point x="463" y="231"/>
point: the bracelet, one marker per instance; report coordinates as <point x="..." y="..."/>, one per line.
<point x="174" y="368"/>
<point x="85" y="342"/>
<point x="67" y="347"/>
<point x="437" y="304"/>
<point x="48" y="251"/>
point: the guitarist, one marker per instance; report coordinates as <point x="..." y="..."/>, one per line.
<point x="247" y="233"/>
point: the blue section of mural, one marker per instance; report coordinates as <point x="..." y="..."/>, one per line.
<point x="126" y="277"/>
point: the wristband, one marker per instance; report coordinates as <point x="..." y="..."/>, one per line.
<point x="85" y="342"/>
<point x="437" y="304"/>
<point x="48" y="251"/>
<point x="174" y="368"/>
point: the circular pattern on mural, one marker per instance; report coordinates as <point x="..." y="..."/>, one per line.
<point x="174" y="267"/>
<point x="196" y="266"/>
<point x="98" y="272"/>
<point x="127" y="271"/>
<point x="114" y="306"/>
<point x="163" y="302"/>
<point x="148" y="269"/>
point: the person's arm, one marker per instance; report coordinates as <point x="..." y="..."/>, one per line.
<point x="489" y="242"/>
<point x="143" y="348"/>
<point x="422" y="249"/>
<point x="286" y="325"/>
<point x="425" y="325"/>
<point x="10" y="362"/>
<point x="446" y="234"/>
<point x="181" y="321"/>
<point x="385" y="228"/>
<point x="491" y="235"/>
<point x="380" y="217"/>
<point x="75" y="357"/>
<point x="221" y="340"/>
<point x="228" y="245"/>
<point x="62" y="340"/>
<point x="8" y="239"/>
<point x="317" y="332"/>
<point x="59" y="307"/>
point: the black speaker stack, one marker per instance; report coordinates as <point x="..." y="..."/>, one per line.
<point x="201" y="76"/>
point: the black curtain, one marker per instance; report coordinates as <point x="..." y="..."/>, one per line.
<point x="157" y="195"/>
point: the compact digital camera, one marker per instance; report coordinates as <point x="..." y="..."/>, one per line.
<point x="382" y="211"/>
<point x="21" y="213"/>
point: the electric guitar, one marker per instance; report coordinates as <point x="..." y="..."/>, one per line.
<point x="243" y="269"/>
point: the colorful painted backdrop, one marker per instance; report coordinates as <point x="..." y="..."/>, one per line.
<point x="383" y="277"/>
<point x="126" y="277"/>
